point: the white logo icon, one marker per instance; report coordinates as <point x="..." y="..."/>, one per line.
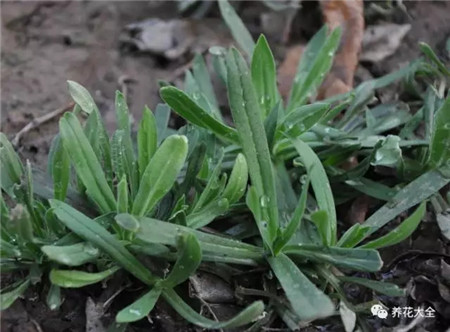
<point x="379" y="311"/>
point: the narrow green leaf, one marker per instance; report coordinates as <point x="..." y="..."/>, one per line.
<point x="123" y="122"/>
<point x="146" y="139"/>
<point x="296" y="219"/>
<point x="139" y="308"/>
<point x="89" y="230"/>
<point x="320" y="219"/>
<point x="162" y="117"/>
<point x="189" y="110"/>
<point x="248" y="120"/>
<point x="307" y="301"/>
<point x="54" y="297"/>
<point x="71" y="255"/>
<point x="314" y="66"/>
<point x="212" y="187"/>
<point x="264" y="76"/>
<point x="21" y="224"/>
<point x="160" y="174"/>
<point x="77" y="279"/>
<point x="86" y="163"/>
<point x="11" y="166"/>
<point x="122" y="196"/>
<point x="350" y="258"/>
<point x="353" y="236"/>
<point x="440" y="137"/>
<point x="372" y="188"/>
<point x="320" y="184"/>
<point x="385" y="288"/>
<point x="428" y="51"/>
<point x="8" y="298"/>
<point x="414" y="193"/>
<point x="443" y="221"/>
<point x="271" y="123"/>
<point x="201" y="75"/>
<point x="59" y="164"/>
<point x="81" y="96"/>
<point x="123" y="159"/>
<point x="237" y="28"/>
<point x="207" y="213"/>
<point x="303" y="118"/>
<point x="155" y="231"/>
<point x="127" y="221"/>
<point x="122" y="113"/>
<point x="401" y="232"/>
<point x="248" y="315"/>
<point x="218" y="61"/>
<point x="97" y="136"/>
<point x="237" y="183"/>
<point x="195" y="162"/>
<point x="189" y="258"/>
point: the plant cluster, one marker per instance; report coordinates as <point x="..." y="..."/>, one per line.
<point x="261" y="193"/>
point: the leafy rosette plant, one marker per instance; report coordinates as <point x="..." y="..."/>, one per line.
<point x="259" y="193"/>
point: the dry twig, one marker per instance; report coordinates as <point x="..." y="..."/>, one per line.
<point x="39" y="121"/>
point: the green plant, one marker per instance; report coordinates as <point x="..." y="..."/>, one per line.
<point x="115" y="200"/>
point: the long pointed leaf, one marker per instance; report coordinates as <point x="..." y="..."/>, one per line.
<point x="189" y="110"/>
<point x="401" y="232"/>
<point x="86" y="163"/>
<point x="414" y="193"/>
<point x="160" y="174"/>
<point x="189" y="258"/>
<point x="147" y="139"/>
<point x="237" y="27"/>
<point x="351" y="258"/>
<point x="264" y="75"/>
<point x="139" y="308"/>
<point x="306" y="299"/>
<point x="248" y="120"/>
<point x="8" y="298"/>
<point x="77" y="279"/>
<point x="248" y="315"/>
<point x="91" y="231"/>
<point x="320" y="184"/>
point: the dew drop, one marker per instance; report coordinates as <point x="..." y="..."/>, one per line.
<point x="264" y="201"/>
<point x="135" y="312"/>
